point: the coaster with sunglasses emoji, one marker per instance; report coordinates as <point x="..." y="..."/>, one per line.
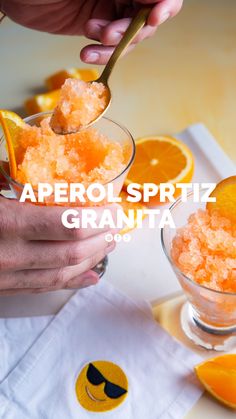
<point x="101" y="386"/>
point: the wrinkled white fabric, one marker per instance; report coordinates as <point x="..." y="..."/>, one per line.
<point x="98" y="323"/>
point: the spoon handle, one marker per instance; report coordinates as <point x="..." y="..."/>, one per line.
<point x="137" y="23"/>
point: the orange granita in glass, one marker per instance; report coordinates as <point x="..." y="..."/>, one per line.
<point x="84" y="157"/>
<point x="205" y="250"/>
<point x="80" y="103"/>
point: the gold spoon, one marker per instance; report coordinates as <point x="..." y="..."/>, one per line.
<point x="135" y="26"/>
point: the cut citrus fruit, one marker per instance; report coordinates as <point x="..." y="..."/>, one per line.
<point x="56" y="80"/>
<point x="11" y="124"/>
<point x="225" y="194"/>
<point x="218" y="376"/>
<point x="44" y="102"/>
<point x="130" y="206"/>
<point x="161" y="159"/>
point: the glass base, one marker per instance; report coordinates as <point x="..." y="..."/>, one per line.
<point x="101" y="267"/>
<point x="208" y="337"/>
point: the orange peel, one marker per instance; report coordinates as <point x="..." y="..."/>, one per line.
<point x="11" y="123"/>
<point x="225" y="194"/>
<point x="218" y="376"/>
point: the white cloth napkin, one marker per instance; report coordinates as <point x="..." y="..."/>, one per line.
<point x="98" y="323"/>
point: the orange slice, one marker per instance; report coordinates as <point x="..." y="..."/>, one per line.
<point x="225" y="194"/>
<point x="11" y="124"/>
<point x="161" y="159"/>
<point x="44" y="102"/>
<point x="56" y="80"/>
<point x="130" y="205"/>
<point x="218" y="376"/>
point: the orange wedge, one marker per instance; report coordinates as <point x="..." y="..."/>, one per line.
<point x="161" y="159"/>
<point x="11" y="124"/>
<point x="44" y="102"/>
<point x="218" y="376"/>
<point x="225" y="194"/>
<point x="56" y="80"/>
<point x="130" y="205"/>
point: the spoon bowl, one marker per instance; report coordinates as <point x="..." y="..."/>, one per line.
<point x="101" y="114"/>
<point x="135" y="26"/>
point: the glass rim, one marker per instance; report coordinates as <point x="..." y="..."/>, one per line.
<point x="175" y="204"/>
<point x="40" y="114"/>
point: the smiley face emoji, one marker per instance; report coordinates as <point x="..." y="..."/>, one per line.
<point x="101" y="386"/>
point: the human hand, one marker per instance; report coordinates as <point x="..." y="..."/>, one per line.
<point x="98" y="20"/>
<point x="38" y="254"/>
<point x="108" y="30"/>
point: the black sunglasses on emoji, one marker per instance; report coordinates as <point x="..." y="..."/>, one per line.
<point x="111" y="390"/>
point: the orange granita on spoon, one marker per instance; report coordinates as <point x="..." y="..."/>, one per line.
<point x="84" y="157"/>
<point x="80" y="103"/>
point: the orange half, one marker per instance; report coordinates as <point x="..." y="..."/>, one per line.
<point x="225" y="194"/>
<point x="11" y="124"/>
<point x="218" y="376"/>
<point x="161" y="159"/>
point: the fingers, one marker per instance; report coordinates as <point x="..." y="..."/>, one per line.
<point x="21" y="255"/>
<point x="113" y="32"/>
<point x="109" y="34"/>
<point x="34" y="222"/>
<point x="84" y="280"/>
<point x="62" y="278"/>
<point x="164" y="10"/>
<point x="94" y="27"/>
<point x="98" y="54"/>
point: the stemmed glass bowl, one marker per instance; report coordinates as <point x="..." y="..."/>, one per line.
<point x="208" y="317"/>
<point x="114" y="131"/>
